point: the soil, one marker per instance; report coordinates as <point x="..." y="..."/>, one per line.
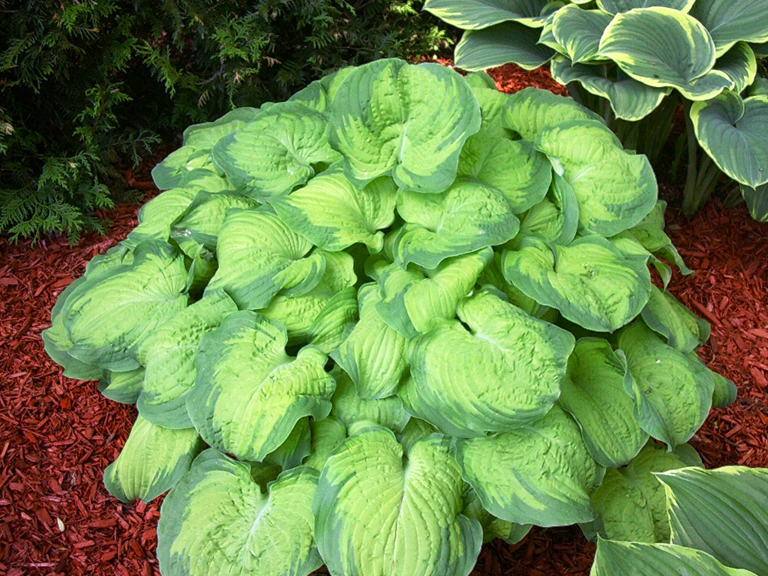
<point x="57" y="435"/>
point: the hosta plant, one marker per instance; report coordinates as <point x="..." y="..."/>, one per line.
<point x="633" y="62"/>
<point x="387" y="320"/>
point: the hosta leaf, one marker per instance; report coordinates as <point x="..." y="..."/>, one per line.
<point x="656" y="560"/>
<point x="756" y="200"/>
<point x="377" y="512"/>
<point x="327" y="435"/>
<point x="123" y="387"/>
<point x="333" y="213"/>
<point x="532" y="110"/>
<point x="172" y="171"/>
<point x="349" y="407"/>
<point x="665" y="47"/>
<point x="168" y="355"/>
<point x="740" y="65"/>
<point x="294" y="449"/>
<point x="478" y="14"/>
<point x="409" y="122"/>
<point x="218" y="521"/>
<point x="492" y="104"/>
<point x="721" y="512"/>
<point x="734" y="132"/>
<point x="616" y="6"/>
<point x="157" y="215"/>
<point x="579" y="31"/>
<point x="672" y="391"/>
<point x="152" y="461"/>
<point x="206" y="135"/>
<point x="203" y="218"/>
<point x="493" y="527"/>
<point x="502" y="371"/>
<point x="728" y="22"/>
<point x="615" y="189"/>
<point x="501" y="44"/>
<point x="327" y="329"/>
<point x="590" y="282"/>
<point x="540" y="474"/>
<point x="683" y="330"/>
<point x="593" y="393"/>
<point x="725" y="391"/>
<point x="469" y="216"/>
<point x="556" y="218"/>
<point x="260" y="256"/>
<point x="249" y="394"/>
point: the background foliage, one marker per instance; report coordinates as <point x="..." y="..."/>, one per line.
<point x="85" y="84"/>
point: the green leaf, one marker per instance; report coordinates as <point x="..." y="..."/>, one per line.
<point x="206" y="135"/>
<point x="201" y="221"/>
<point x="406" y="508"/>
<point x="556" y="218"/>
<point x="409" y="122"/>
<point x="217" y="521"/>
<point x="123" y="387"/>
<point x="721" y="512"/>
<point x="502" y="371"/>
<point x="579" y="31"/>
<point x="734" y="132"/>
<point x="532" y="110"/>
<point x="590" y="282"/>
<point x="327" y="435"/>
<point x="616" y="6"/>
<point x="173" y="171"/>
<point x="728" y="22"/>
<point x="157" y="215"/>
<point x="683" y="330"/>
<point x="665" y="47"/>
<point x="540" y="474"/>
<point x="295" y="449"/>
<point x="249" y="394"/>
<point x="757" y="201"/>
<point x="152" y="461"/>
<point x="615" y="189"/>
<point x="501" y="44"/>
<point x="593" y="393"/>
<point x="492" y="104"/>
<point x="349" y="407"/>
<point x="478" y="14"/>
<point x="493" y="527"/>
<point x="740" y="65"/>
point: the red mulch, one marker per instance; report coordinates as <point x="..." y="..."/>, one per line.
<point x="57" y="435"/>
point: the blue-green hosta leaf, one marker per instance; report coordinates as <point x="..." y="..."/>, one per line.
<point x="579" y="31"/>
<point x="501" y="44"/>
<point x="479" y="14"/>
<point x="372" y="354"/>
<point x="203" y="218"/>
<point x="734" y="132"/>
<point x="493" y="527"/>
<point x="725" y="391"/>
<point x="556" y="218"/>
<point x="728" y="22"/>
<point x="172" y="172"/>
<point x="295" y="449"/>
<point x="206" y="135"/>
<point x="740" y="65"/>
<point x="152" y="461"/>
<point x="616" y="6"/>
<point x="593" y="393"/>
<point x="157" y="215"/>
<point x="722" y="512"/>
<point x="615" y="189"/>
<point x="110" y="313"/>
<point x="630" y="503"/>
<point x="349" y="407"/>
<point x="756" y="200"/>
<point x="630" y="100"/>
<point x="217" y="521"/>
<point x="683" y="330"/>
<point x="532" y="110"/>
<point x="249" y="394"/>
<point x="469" y="216"/>
<point x="169" y="353"/>
<point x="327" y="435"/>
<point x="333" y="213"/>
<point x="540" y="474"/>
<point x="501" y="372"/>
<point x="640" y="559"/>
<point x="377" y="512"/>
<point x="590" y="282"/>
<point x="672" y="391"/>
<point x="122" y="387"/>
<point x="260" y="256"/>
<point x="276" y="152"/>
<point x="409" y="122"/>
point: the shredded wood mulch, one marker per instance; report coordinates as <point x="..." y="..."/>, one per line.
<point x="57" y="435"/>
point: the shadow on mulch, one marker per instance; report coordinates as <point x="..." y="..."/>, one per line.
<point x="57" y="435"/>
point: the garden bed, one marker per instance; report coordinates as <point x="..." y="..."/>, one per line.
<point x="57" y="435"/>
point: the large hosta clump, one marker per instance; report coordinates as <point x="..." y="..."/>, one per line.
<point x="394" y="317"/>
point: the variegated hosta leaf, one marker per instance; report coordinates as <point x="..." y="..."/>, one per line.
<point x="157" y="215"/>
<point x="260" y="256"/>
<point x="217" y="521"/>
<point x="616" y="6"/>
<point x="110" y="313"/>
<point x="494" y="278"/>
<point x="630" y="100"/>
<point x="656" y="560"/>
<point x="593" y="393"/>
<point x="728" y="22"/>
<point x="479" y="14"/>
<point x="532" y="110"/>
<point x="756" y="200"/>
<point x="469" y="216"/>
<point x="665" y="47"/>
<point x="409" y="122"/>
<point x="540" y="474"/>
<point x="734" y="132"/>
<point x="579" y="31"/>
<point x="320" y="94"/>
<point x="152" y="461"/>
<point x="615" y="189"/>
<point x="501" y="44"/>
<point x="740" y="65"/>
<point x="590" y="281"/>
<point x="372" y="354"/>
<point x="172" y="171"/>
<point x="349" y="407"/>
<point x="492" y="103"/>
<point x="203" y="218"/>
<point x="630" y="503"/>
<point x="294" y="449"/>
<point x="493" y="527"/>
<point x="206" y="135"/>
<point x="333" y="213"/>
<point x="276" y="152"/>
<point x="725" y="391"/>
<point x="123" y="387"/>
<point x="377" y="512"/>
<point x="249" y="394"/>
<point x="672" y="391"/>
<point x="556" y="218"/>
<point x="721" y="512"/>
<point x="327" y="435"/>
<point x="168" y="355"/>
<point x="502" y="371"/>
<point x="684" y="331"/>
